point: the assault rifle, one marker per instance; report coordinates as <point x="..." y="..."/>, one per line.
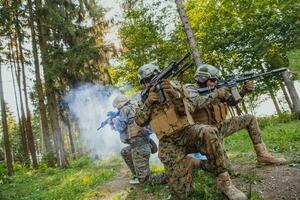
<point x="232" y="81"/>
<point x="171" y="71"/>
<point x="110" y="115"/>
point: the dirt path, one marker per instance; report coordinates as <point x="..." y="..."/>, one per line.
<point x="116" y="187"/>
<point x="270" y="182"/>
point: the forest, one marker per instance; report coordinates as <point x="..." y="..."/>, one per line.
<point x="63" y="61"/>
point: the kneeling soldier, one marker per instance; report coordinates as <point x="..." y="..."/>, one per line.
<point x="211" y="109"/>
<point x="178" y="137"/>
<point x="137" y="154"/>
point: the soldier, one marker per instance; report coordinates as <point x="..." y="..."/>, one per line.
<point x="212" y="109"/>
<point x="137" y="154"/>
<point x="178" y="136"/>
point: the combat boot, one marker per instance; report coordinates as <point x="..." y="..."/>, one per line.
<point x="227" y="187"/>
<point x="264" y="157"/>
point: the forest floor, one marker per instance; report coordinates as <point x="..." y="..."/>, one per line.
<point x="108" y="179"/>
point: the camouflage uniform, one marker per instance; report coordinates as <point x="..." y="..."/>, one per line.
<point x="137" y="154"/>
<point x="225" y="126"/>
<point x="212" y="110"/>
<point x="173" y="149"/>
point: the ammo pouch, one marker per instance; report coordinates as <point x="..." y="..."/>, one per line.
<point x="219" y="111"/>
<point x="212" y="114"/>
<point x="133" y="130"/>
<point x="165" y="121"/>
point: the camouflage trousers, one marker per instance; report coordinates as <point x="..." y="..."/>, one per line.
<point x="137" y="156"/>
<point x="173" y="153"/>
<point x="234" y="124"/>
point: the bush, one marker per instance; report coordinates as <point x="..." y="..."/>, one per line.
<point x="275" y="119"/>
<point x="4" y="178"/>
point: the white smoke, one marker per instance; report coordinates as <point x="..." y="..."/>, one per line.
<point x="89" y="104"/>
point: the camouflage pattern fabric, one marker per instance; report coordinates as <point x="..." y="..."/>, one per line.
<point x="234" y="124"/>
<point x="228" y="126"/>
<point x="137" y="156"/>
<point x="173" y="150"/>
<point x="126" y="155"/>
<point x="173" y="153"/>
<point x="140" y="152"/>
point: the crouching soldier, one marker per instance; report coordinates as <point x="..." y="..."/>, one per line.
<point x="211" y="109"/>
<point x="178" y="136"/>
<point x="137" y="154"/>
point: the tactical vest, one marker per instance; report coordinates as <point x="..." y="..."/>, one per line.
<point x="133" y="129"/>
<point x="212" y="114"/>
<point x="165" y="121"/>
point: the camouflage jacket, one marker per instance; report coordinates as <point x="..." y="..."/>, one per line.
<point x="198" y="101"/>
<point x="126" y="117"/>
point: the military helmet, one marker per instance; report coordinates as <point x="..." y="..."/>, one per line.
<point x="147" y="71"/>
<point x="120" y="101"/>
<point x="205" y="72"/>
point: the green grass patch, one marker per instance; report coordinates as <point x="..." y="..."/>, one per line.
<point x="279" y="138"/>
<point x="74" y="182"/>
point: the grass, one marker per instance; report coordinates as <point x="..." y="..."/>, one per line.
<point x="76" y="182"/>
<point x="83" y="178"/>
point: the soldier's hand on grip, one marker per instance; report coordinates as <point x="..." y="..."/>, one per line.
<point x="168" y="88"/>
<point x="248" y="86"/>
<point x="221" y="92"/>
<point x="153" y="97"/>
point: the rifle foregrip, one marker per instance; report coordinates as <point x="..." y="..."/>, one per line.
<point x="236" y="95"/>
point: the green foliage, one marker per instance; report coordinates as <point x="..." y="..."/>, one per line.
<point x="145" y="38"/>
<point x="237" y="37"/>
<point x="4" y="178"/>
<point x="294" y="61"/>
<point x="274" y="120"/>
<point x="245" y="35"/>
<point x="74" y="182"/>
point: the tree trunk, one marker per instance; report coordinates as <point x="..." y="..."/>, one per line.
<point x="54" y="121"/>
<point x="293" y="93"/>
<point x="25" y="155"/>
<point x="42" y="107"/>
<point x="275" y="102"/>
<point x="188" y="31"/>
<point x="67" y="121"/>
<point x="12" y="69"/>
<point x="8" y="154"/>
<point x="286" y="96"/>
<point x="29" y="133"/>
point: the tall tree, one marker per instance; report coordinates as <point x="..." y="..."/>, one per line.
<point x="25" y="156"/>
<point x="40" y="20"/>
<point x="189" y="32"/>
<point x="29" y="133"/>
<point x="8" y="154"/>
